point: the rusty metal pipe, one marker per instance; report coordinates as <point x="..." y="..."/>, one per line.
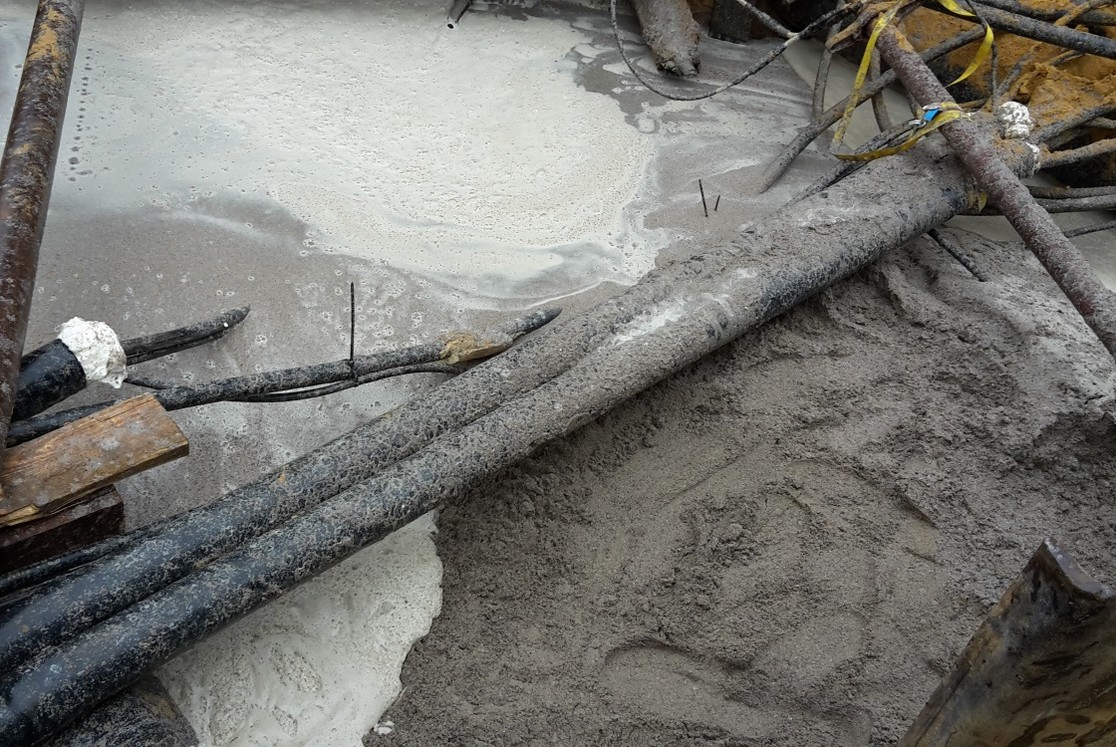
<point x="26" y="174"/>
<point x="1095" y="303"/>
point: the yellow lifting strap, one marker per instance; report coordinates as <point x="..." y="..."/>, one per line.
<point x="862" y="72"/>
<point x="933" y="117"/>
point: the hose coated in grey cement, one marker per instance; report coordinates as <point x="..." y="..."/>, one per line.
<point x="783" y="260"/>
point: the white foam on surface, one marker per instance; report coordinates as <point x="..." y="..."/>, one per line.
<point x="286" y="673"/>
<point x="468" y="155"/>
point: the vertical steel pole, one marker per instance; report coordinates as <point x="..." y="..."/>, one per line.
<point x="26" y="174"/>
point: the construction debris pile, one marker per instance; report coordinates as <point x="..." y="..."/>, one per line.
<point x="86" y="610"/>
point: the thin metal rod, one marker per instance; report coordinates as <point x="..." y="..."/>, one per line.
<point x="1063" y="193"/>
<point x="352" y="327"/>
<point x="879" y="104"/>
<point x="1074" y="232"/>
<point x="1104" y="201"/>
<point x="340" y="386"/>
<point x="1077" y="155"/>
<point x="821" y="81"/>
<point x="1042" y="31"/>
<point x="26" y="175"/>
<point x="1056" y="128"/>
<point x="1093" y="17"/>
<point x="946" y="242"/>
<point x="770" y="23"/>
<point x="1079" y="204"/>
<point x="1095" y="303"/>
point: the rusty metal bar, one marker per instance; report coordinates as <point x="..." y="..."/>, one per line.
<point x="1077" y="155"/>
<point x="1094" y="16"/>
<point x="26" y="174"/>
<point x="1043" y="31"/>
<point x="1095" y="303"/>
<point x="1049" y="132"/>
<point x="1039" y="670"/>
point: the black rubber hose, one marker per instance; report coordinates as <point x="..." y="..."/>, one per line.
<point x="243" y="388"/>
<point x="140" y="349"/>
<point x="892" y="205"/>
<point x="51" y="374"/>
<point x="183" y="543"/>
<point x="47" y="375"/>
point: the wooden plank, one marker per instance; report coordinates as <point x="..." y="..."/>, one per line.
<point x="54" y="471"/>
<point x="101" y="515"/>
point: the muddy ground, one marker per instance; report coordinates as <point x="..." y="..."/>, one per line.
<point x="787" y="543"/>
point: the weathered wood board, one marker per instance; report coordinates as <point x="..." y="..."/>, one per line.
<point x="51" y="473"/>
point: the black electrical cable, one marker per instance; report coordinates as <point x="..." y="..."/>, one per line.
<point x="245" y="388"/>
<point x="52" y="373"/>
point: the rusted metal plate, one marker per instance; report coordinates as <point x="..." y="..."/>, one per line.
<point x="1040" y="670"/>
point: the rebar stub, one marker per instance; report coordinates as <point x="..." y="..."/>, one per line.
<point x="1014" y="120"/>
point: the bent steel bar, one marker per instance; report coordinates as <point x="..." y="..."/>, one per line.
<point x="1040" y="669"/>
<point x="26" y="173"/>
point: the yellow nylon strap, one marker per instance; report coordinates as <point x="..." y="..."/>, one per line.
<point x="862" y="71"/>
<point x="946" y="113"/>
<point x="985" y="48"/>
